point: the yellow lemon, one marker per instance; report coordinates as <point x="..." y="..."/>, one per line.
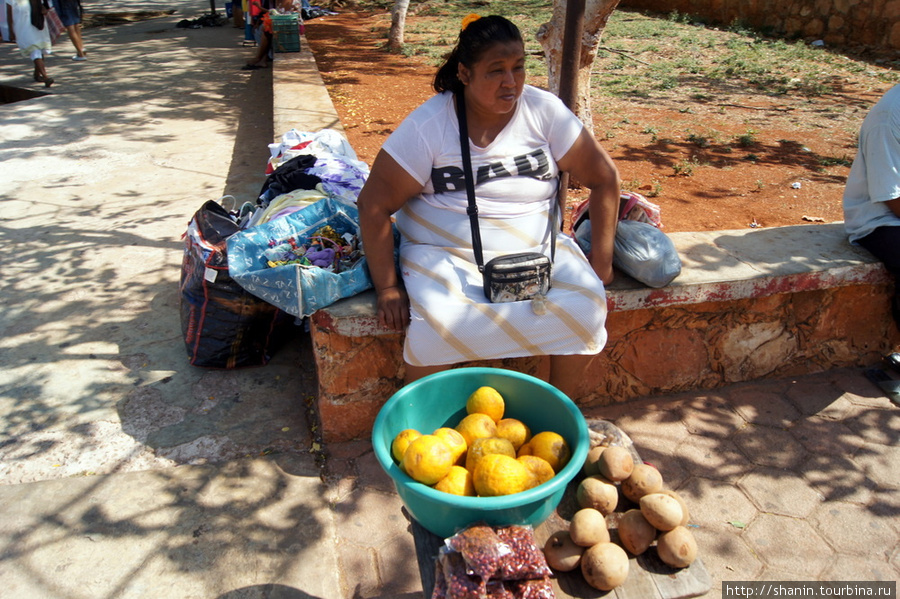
<point x="487" y="445"/>
<point x="402" y="441"/>
<point x="499" y="474"/>
<point x="457" y="482"/>
<point x="524" y="450"/>
<point x="476" y="426"/>
<point x="552" y="447"/>
<point x="455" y="440"/>
<point x="516" y="431"/>
<point x="486" y="400"/>
<point x="427" y="459"/>
<point x="540" y="469"/>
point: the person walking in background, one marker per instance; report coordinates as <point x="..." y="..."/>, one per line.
<point x="29" y="30"/>
<point x="872" y="195"/>
<point x="70" y="13"/>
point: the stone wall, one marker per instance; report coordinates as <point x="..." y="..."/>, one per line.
<point x="653" y="351"/>
<point x="873" y="24"/>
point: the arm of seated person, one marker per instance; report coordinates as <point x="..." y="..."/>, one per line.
<point x="590" y="165"/>
<point x="894" y="205"/>
<point x="386" y="190"/>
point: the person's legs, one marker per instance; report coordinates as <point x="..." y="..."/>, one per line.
<point x="884" y="244"/>
<point x="264" y="45"/>
<point x="40" y="71"/>
<point x="74" y="32"/>
<point x="414" y="373"/>
<point x="567" y="373"/>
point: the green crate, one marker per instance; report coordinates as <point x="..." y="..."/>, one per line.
<point x="287" y="32"/>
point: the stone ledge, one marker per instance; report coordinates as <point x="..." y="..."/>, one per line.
<point x="749" y="304"/>
<point x="717" y="266"/>
<point x="300" y="99"/>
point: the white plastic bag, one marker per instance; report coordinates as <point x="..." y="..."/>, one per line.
<point x="645" y="253"/>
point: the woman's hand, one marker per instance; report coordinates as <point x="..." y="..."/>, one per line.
<point x="393" y="308"/>
<point x="386" y="190"/>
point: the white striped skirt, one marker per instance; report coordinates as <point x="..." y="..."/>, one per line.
<point x="451" y="321"/>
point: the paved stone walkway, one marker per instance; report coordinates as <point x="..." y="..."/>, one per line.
<point x="790" y="479"/>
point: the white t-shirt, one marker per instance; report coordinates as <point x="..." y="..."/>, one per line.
<point x="875" y="175"/>
<point x="515" y="175"/>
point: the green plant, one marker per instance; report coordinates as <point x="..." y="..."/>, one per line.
<point x="686" y="166"/>
<point x="699" y="140"/>
<point x="746" y="139"/>
<point x="844" y="160"/>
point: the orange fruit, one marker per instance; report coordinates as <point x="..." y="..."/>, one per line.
<point x="487" y="445"/>
<point x="540" y="469"/>
<point x="486" y="400"/>
<point x="498" y="474"/>
<point x="516" y="431"/>
<point x="455" y="440"/>
<point x="427" y="459"/>
<point x="476" y="426"/>
<point x="457" y="482"/>
<point x="402" y="441"/>
<point x="552" y="447"/>
<point x="524" y="450"/>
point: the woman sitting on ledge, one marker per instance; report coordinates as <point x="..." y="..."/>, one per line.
<point x="520" y="138"/>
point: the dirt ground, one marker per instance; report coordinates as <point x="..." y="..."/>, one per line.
<point x="737" y="159"/>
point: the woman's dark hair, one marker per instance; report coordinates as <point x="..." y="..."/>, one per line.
<point x="472" y="43"/>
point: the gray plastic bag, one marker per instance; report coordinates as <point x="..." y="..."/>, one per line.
<point x="645" y="253"/>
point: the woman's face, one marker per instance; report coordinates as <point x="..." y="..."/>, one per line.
<point x="495" y="81"/>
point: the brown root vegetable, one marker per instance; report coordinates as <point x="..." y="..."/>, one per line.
<point x="598" y="493"/>
<point x="686" y="516"/>
<point x="562" y="554"/>
<point x="591" y="466"/>
<point x="588" y="527"/>
<point x="677" y="547"/>
<point x="604" y="566"/>
<point x="644" y="479"/>
<point x="661" y="510"/>
<point x="616" y="463"/>
<point x="635" y="533"/>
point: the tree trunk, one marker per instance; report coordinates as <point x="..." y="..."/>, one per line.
<point x="550" y="35"/>
<point x="398" y="25"/>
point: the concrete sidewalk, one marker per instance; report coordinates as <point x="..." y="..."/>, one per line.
<point x="125" y="472"/>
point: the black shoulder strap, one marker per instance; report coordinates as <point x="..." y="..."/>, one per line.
<point x="472" y="210"/>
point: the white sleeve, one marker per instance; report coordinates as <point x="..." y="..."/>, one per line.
<point x="410" y="148"/>
<point x="882" y="160"/>
<point x="562" y="125"/>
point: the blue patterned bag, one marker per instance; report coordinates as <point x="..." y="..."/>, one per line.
<point x="298" y="288"/>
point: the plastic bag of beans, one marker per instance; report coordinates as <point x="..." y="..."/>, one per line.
<point x="458" y="583"/>
<point x="524" y="560"/>
<point x="481" y="548"/>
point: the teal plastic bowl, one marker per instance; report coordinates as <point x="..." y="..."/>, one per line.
<point x="440" y="400"/>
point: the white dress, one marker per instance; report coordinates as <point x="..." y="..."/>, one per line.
<point x="32" y="42"/>
<point x="516" y="182"/>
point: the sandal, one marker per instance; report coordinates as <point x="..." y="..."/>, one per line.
<point x="48" y="81"/>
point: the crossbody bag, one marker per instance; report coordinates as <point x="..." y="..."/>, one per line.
<point x="514" y="277"/>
